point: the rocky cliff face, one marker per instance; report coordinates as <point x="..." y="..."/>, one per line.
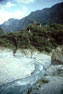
<point x="57" y="56"/>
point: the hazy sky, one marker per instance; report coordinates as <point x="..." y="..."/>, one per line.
<point x="21" y="8"/>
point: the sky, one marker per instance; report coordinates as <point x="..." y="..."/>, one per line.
<point x="20" y="8"/>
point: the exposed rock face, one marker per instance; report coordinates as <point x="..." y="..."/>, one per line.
<point x="51" y="83"/>
<point x="57" y="56"/>
<point x="27" y="53"/>
<point x="55" y="70"/>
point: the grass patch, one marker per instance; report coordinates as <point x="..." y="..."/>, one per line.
<point x="43" y="81"/>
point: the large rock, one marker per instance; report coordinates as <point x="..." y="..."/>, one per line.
<point x="27" y="53"/>
<point x="55" y="70"/>
<point x="57" y="56"/>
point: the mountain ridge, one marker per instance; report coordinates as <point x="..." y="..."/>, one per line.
<point x="45" y="16"/>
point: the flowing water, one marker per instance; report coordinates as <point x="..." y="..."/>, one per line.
<point x="18" y="73"/>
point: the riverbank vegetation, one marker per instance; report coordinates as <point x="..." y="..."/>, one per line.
<point x="42" y="38"/>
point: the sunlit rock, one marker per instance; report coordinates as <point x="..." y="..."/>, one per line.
<point x="57" y="56"/>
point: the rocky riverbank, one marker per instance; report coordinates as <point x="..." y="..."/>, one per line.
<point x="43" y="64"/>
<point x="52" y="82"/>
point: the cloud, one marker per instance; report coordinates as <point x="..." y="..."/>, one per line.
<point x="25" y="8"/>
<point x="25" y="1"/>
<point x="18" y="13"/>
<point x="5" y="15"/>
<point x="9" y="5"/>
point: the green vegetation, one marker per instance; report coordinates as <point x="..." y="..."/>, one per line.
<point x="43" y="81"/>
<point x="38" y="85"/>
<point x="1" y="31"/>
<point x="42" y="38"/>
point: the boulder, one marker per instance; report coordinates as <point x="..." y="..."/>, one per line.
<point x="57" y="56"/>
<point x="56" y="70"/>
<point x="27" y="53"/>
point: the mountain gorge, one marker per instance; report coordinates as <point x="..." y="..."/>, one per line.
<point x="45" y="16"/>
<point x="10" y="25"/>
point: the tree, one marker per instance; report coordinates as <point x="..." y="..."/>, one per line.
<point x="1" y="30"/>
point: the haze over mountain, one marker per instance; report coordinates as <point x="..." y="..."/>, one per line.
<point x="45" y="16"/>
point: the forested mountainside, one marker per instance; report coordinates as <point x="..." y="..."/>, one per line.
<point x="42" y="38"/>
<point x="45" y="16"/>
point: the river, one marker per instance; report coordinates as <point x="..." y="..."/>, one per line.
<point x="18" y="73"/>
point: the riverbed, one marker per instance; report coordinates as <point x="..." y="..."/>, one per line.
<point x="19" y="72"/>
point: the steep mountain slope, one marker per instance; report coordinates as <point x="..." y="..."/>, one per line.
<point x="10" y="25"/>
<point x="45" y="16"/>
